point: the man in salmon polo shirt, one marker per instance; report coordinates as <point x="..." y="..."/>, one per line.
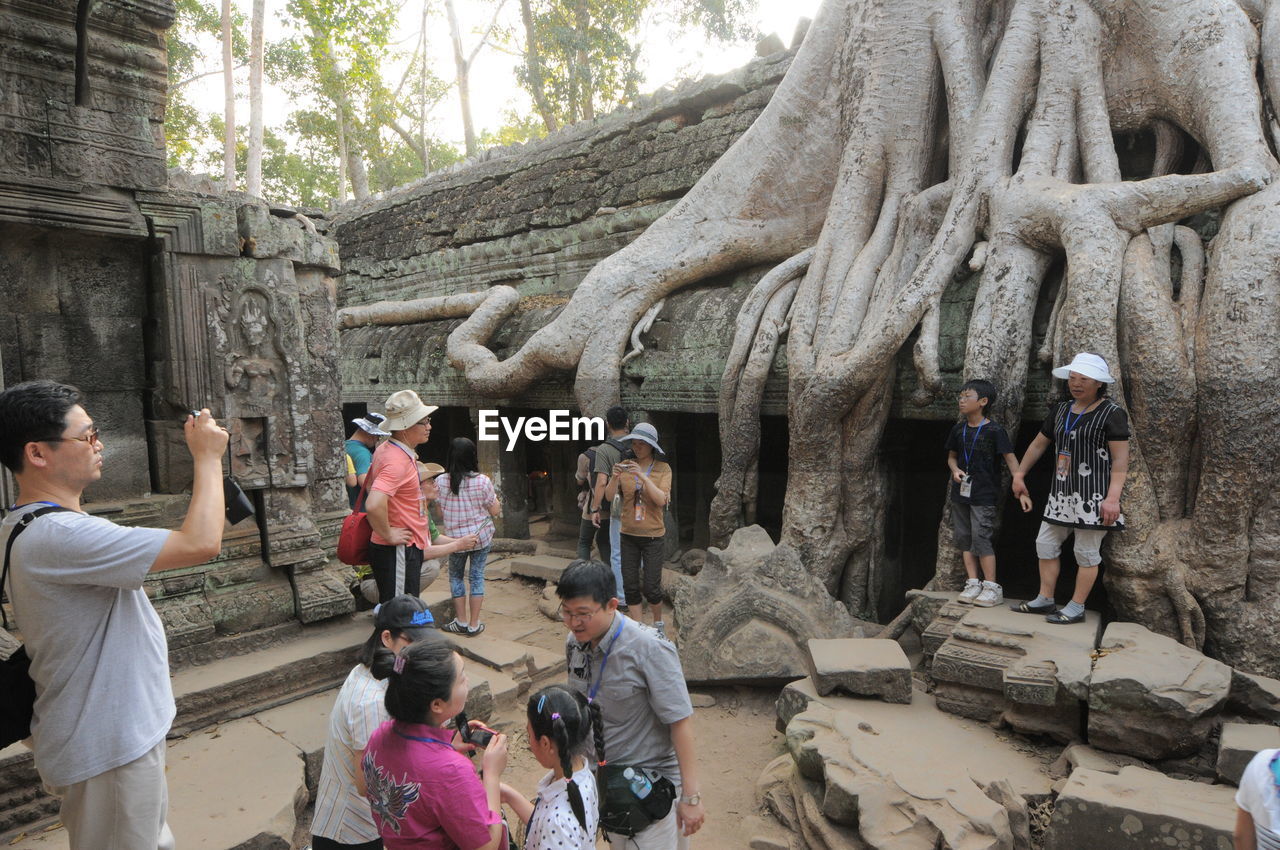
<point x="394" y="504"/>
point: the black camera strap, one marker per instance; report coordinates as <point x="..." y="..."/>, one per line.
<point x="19" y="527"/>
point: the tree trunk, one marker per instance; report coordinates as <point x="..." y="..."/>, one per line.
<point x="228" y="102"/>
<point x="534" y="69"/>
<point x="253" y="161"/>
<point x="463" y="71"/>
<point x="422" y="93"/>
<point x="342" y="162"/>
<point x="582" y="61"/>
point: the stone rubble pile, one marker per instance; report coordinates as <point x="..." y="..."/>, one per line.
<point x="881" y="756"/>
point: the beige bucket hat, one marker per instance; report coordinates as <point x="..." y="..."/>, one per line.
<point x="405" y="409"/>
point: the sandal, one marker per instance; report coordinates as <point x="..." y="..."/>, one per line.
<point x="1028" y="608"/>
<point x="1060" y="619"/>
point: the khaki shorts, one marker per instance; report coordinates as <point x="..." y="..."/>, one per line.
<point x="126" y="808"/>
<point x="1088" y="545"/>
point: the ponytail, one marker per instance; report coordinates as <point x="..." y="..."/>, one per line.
<point x="419" y="674"/>
<point x="566" y="717"/>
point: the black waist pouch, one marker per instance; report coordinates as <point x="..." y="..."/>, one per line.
<point x="621" y="811"/>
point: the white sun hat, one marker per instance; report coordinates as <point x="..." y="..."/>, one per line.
<point x="1089" y="365"/>
<point x="370" y="426"/>
<point x="405" y="409"/>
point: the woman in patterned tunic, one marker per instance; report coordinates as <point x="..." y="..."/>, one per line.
<point x="1089" y="434"/>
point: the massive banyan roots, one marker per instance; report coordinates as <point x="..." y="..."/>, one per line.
<point x="913" y="141"/>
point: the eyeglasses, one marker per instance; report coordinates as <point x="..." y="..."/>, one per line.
<point x="90" y="437"/>
<point x="571" y="617"/>
<point x="426" y="422"/>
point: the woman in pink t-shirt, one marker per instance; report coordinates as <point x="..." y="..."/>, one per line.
<point x="424" y="792"/>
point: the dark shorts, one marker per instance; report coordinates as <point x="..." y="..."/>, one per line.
<point x="973" y="528"/>
<point x="396" y="569"/>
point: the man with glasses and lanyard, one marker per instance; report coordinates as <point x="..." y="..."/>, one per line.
<point x="635" y="678"/>
<point x="99" y="656"/>
<point x="394" y="503"/>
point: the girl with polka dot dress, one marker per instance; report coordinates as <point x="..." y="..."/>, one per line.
<point x="565" y="813"/>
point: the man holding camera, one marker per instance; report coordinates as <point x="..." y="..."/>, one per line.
<point x="98" y="652"/>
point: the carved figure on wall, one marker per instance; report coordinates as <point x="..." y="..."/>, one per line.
<point x="256" y="373"/>
<point x="256" y="377"/>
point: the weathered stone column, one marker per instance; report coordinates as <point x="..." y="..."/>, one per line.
<point x="507" y="469"/>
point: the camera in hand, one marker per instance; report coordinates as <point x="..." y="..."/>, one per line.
<point x="472" y="735"/>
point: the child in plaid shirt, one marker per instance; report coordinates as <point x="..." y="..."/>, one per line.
<point x="468" y="504"/>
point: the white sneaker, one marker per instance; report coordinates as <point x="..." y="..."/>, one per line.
<point x="992" y="594"/>
<point x="972" y="588"/>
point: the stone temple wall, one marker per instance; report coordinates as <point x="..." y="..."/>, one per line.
<point x="154" y="300"/>
<point x="538" y="217"/>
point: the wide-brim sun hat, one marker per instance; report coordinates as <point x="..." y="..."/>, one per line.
<point x="405" y="409"/>
<point x="1089" y="365"/>
<point x="406" y="614"/>
<point x="364" y="424"/>
<point x="646" y="432"/>
<point x="429" y="470"/>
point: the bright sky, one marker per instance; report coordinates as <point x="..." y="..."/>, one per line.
<point x="669" y="56"/>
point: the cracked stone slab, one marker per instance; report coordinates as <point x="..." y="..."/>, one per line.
<point x="861" y="666"/>
<point x="1152" y="697"/>
<point x="1239" y="743"/>
<point x="1255" y="696"/>
<point x="997" y="664"/>
<point x="1138" y="808"/>
<point x="545" y="567"/>
<point x="909" y="776"/>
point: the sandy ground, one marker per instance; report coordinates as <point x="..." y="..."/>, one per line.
<point x="735" y="736"/>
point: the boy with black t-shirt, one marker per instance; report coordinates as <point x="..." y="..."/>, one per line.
<point x="972" y="447"/>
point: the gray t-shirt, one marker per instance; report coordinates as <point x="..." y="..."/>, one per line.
<point x="607" y="454"/>
<point x="642" y="692"/>
<point x="98" y="651"/>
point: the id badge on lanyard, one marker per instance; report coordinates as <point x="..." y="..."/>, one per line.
<point x="1064" y="463"/>
<point x="966" y="483"/>
<point x="1063" y="466"/>
<point x="640" y="495"/>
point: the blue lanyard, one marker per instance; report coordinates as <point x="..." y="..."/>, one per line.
<point x="591" y="695"/>
<point x="41" y="502"/>
<point x="423" y="740"/>
<point x="1275" y="770"/>
<point x="640" y="481"/>
<point x="964" y="442"/>
<point x="1069" y="424"/>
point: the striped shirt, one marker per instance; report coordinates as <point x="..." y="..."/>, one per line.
<point x="1082" y="463"/>
<point x="1259" y="795"/>
<point x="466" y="512"/>
<point x="342" y="814"/>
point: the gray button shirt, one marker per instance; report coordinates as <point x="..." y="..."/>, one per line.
<point x="98" y="651"/>
<point x="642" y="692"/>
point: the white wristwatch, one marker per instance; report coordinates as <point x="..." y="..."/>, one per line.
<point x="690" y="801"/>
